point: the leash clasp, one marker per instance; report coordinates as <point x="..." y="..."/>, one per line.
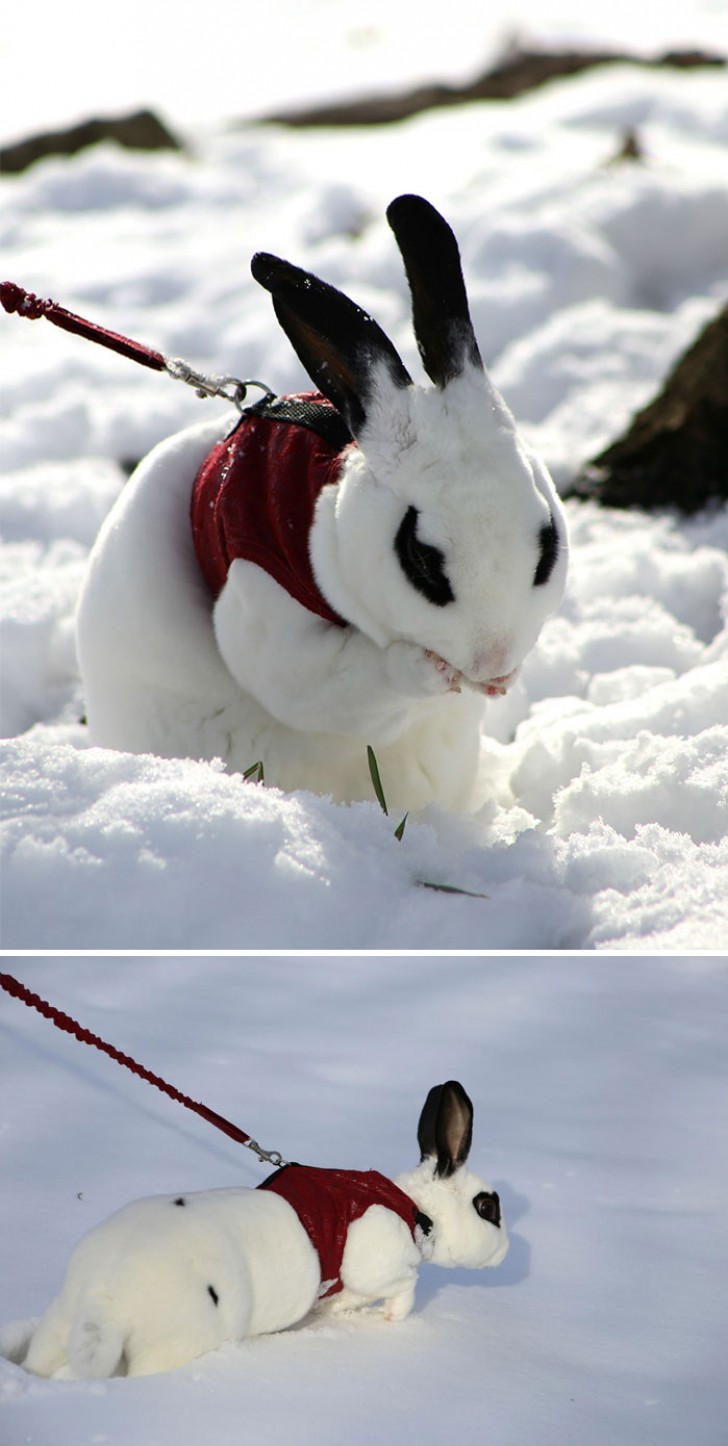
<point x="270" y="1157"/>
<point x="231" y="388"/>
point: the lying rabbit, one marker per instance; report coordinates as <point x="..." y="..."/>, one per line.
<point x="168" y="1278"/>
<point x="361" y="565"/>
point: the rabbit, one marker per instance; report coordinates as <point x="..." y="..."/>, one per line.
<point x="397" y="555"/>
<point x="166" y="1279"/>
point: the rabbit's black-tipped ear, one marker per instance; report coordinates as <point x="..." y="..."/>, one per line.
<point x="440" y="312"/>
<point x="445" y="1129"/>
<point x="339" y="344"/>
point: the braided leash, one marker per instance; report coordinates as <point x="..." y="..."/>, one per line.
<point x="70" y="1026"/>
<point x="16" y="301"/>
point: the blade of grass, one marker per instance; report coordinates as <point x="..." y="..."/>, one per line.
<point x="450" y="889"/>
<point x="376" y="780"/>
<point x="378" y="789"/>
<point x="255" y="772"/>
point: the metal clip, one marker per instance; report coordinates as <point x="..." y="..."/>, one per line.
<point x="270" y="1157"/>
<point x="231" y="388"/>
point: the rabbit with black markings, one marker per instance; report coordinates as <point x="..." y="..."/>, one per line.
<point x="169" y="1278"/>
<point x="363" y="565"/>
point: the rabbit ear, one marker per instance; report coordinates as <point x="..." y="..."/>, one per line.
<point x="440" y="312"/>
<point x="339" y="344"/>
<point x="445" y="1129"/>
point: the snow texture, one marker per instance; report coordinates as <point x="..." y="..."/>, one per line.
<point x="599" y="1087"/>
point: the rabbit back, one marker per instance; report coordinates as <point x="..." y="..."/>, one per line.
<point x="166" y="1279"/>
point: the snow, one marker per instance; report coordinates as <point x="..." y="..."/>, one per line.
<point x="597" y="1086"/>
<point x="606" y="823"/>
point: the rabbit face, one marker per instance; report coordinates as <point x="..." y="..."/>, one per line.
<point x="442" y="530"/>
<point x="468" y="1227"/>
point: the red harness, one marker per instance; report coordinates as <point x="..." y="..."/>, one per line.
<point x="255" y="494"/>
<point x="254" y="498"/>
<point x="328" y="1201"/>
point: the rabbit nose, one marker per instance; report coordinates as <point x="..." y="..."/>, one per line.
<point x="490" y="665"/>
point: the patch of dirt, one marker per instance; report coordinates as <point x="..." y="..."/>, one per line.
<point x="520" y="71"/>
<point x="141" y="131"/>
<point x="675" y="452"/>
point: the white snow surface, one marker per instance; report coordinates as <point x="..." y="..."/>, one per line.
<point x="599" y="1087"/>
<point x="606" y="827"/>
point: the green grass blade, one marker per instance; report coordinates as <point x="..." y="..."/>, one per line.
<point x="376" y="780"/>
<point x="255" y="772"/>
<point x="450" y="889"/>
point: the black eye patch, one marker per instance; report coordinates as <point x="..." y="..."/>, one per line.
<point x="422" y="564"/>
<point x="487" y="1206"/>
<point x="548" y="541"/>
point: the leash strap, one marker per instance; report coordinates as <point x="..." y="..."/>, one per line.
<point x="16" y="301"/>
<point x="25" y="303"/>
<point x="64" y="1022"/>
<point x="318" y="417"/>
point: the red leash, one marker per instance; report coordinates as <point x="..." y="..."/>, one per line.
<point x="15" y="300"/>
<point x="25" y="303"/>
<point x="70" y="1026"/>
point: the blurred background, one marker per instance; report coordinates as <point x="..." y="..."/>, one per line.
<point x="197" y="65"/>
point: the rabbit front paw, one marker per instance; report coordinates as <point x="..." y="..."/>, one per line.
<point x="419" y="672"/>
<point x="451" y="677"/>
<point x="398" y="1307"/>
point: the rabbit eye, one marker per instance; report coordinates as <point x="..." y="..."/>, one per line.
<point x="487" y="1206"/>
<point x="548" y="540"/>
<point x="422" y="564"/>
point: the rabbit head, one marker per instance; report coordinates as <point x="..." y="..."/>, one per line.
<point x="468" y="1227"/>
<point x="442" y="530"/>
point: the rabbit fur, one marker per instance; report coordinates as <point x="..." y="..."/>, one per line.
<point x="168" y="1278"/>
<point x="442" y="546"/>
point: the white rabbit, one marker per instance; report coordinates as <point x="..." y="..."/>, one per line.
<point x="168" y="1278"/>
<point x="370" y="592"/>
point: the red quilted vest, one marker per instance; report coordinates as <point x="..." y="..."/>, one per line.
<point x="328" y="1201"/>
<point x="254" y="498"/>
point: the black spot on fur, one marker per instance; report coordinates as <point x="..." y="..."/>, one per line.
<point x="212" y="1292"/>
<point x="487" y="1205"/>
<point x="548" y="539"/>
<point x="422" y="564"/>
<point x="180" y="1201"/>
<point x="423" y="1221"/>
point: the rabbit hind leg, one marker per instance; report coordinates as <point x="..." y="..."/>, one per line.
<point x="47" y="1353"/>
